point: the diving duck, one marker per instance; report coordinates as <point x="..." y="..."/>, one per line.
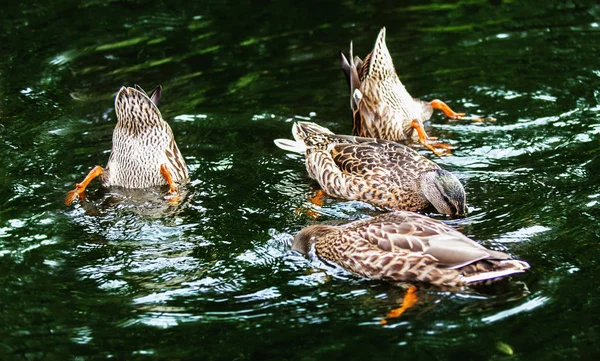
<point x="144" y="153"/>
<point x="377" y="171"/>
<point x="408" y="247"/>
<point x="381" y="106"/>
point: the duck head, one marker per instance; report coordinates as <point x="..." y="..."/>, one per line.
<point x="445" y="192"/>
<point x="308" y="236"/>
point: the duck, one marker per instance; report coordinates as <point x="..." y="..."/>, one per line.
<point x="381" y="105"/>
<point x="404" y="246"/>
<point x="381" y="172"/>
<point x="144" y="152"/>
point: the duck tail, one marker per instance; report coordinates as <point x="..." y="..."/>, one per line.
<point x="136" y="110"/>
<point x="381" y="63"/>
<point x="154" y="94"/>
<point x="347" y="66"/>
<point x="350" y="69"/>
<point x="300" y="131"/>
<point x="489" y="270"/>
<point x="290" y="145"/>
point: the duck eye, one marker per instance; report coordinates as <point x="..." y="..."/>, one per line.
<point x="453" y="208"/>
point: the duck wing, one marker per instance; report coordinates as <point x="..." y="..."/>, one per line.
<point x="403" y="232"/>
<point x="362" y="156"/>
<point x="362" y="159"/>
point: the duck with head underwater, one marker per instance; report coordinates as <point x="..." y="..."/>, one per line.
<point x="381" y="172"/>
<point x="381" y="105"/>
<point x="144" y="153"/>
<point x="407" y="247"/>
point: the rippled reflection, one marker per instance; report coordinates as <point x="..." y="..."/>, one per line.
<point x="125" y="275"/>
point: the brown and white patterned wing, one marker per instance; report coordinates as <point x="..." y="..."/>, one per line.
<point x="400" y="154"/>
<point x="347" y="167"/>
<point x="369" y="156"/>
<point x="416" y="233"/>
<point x="367" y="259"/>
<point x="360" y="159"/>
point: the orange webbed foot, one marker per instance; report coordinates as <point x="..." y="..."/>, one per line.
<point x="446" y="149"/>
<point x="476" y="119"/>
<point x="410" y="299"/>
<point x="173" y="188"/>
<point x="79" y="190"/>
<point x="438" y="104"/>
<point x="317" y="199"/>
<point x="308" y="212"/>
<point x="430" y="142"/>
<point x="72" y="195"/>
<point x="173" y="197"/>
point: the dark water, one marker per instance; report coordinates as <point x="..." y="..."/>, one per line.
<point x="214" y="279"/>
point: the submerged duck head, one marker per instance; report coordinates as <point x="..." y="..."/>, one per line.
<point x="308" y="236"/>
<point x="445" y="192"/>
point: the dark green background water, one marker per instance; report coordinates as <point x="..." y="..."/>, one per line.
<point x="215" y="278"/>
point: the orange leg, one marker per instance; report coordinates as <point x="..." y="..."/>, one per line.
<point x="410" y="299"/>
<point x="80" y="187"/>
<point x="318" y="198"/>
<point x="174" y="198"/>
<point x="438" y="104"/>
<point x="308" y="212"/>
<point x="426" y="140"/>
<point x="165" y="172"/>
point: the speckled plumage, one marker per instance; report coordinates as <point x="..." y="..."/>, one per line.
<point x="406" y="246"/>
<point x="142" y="141"/>
<point x="144" y="153"/>
<point x="381" y="172"/>
<point x="381" y="105"/>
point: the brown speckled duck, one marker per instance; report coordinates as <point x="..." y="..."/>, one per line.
<point x="144" y="153"/>
<point x="381" y="106"/>
<point x="381" y="172"/>
<point x="408" y="247"/>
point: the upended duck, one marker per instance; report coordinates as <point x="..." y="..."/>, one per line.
<point x="144" y="153"/>
<point x="380" y="172"/>
<point x="408" y="247"/>
<point x="381" y="105"/>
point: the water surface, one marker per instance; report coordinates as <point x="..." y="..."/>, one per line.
<point x="214" y="279"/>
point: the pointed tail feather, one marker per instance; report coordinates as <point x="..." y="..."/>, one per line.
<point x="300" y="131"/>
<point x="501" y="269"/>
<point x="381" y="64"/>
<point x="154" y="94"/>
<point x="346" y="68"/>
<point x="290" y="145"/>
<point x="350" y="69"/>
